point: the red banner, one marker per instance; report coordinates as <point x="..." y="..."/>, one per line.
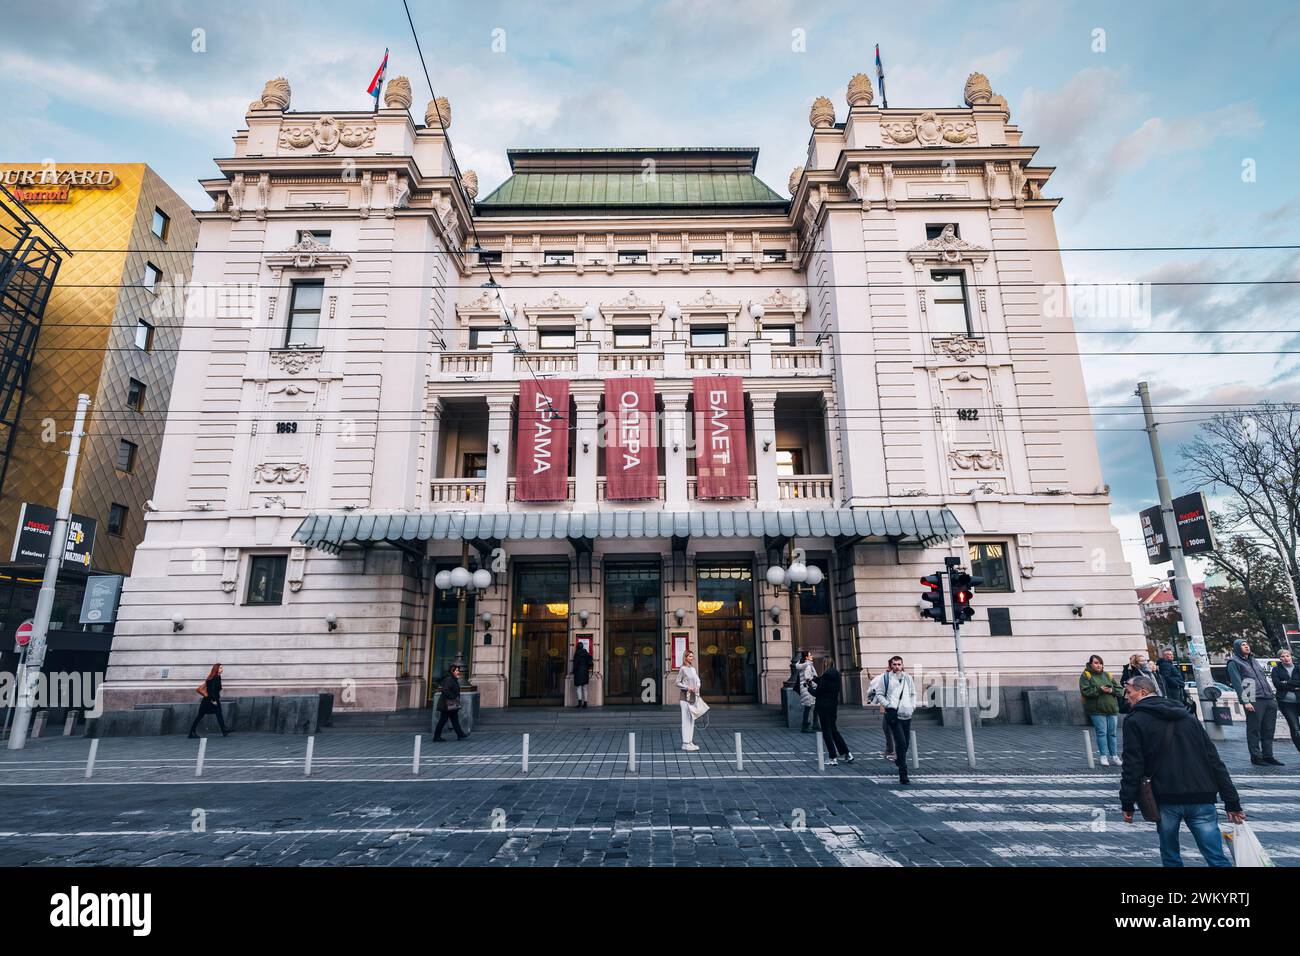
<point x="542" y="451"/>
<point x="721" y="454"/>
<point x="631" y="456"/>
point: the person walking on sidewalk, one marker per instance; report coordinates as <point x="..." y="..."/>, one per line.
<point x="449" y="706"/>
<point x="1286" y="685"/>
<point x="826" y="689"/>
<point x="1173" y="678"/>
<point x="582" y="662"/>
<point x="888" y="752"/>
<point x="1164" y="742"/>
<point x="806" y="674"/>
<point x="1254" y="687"/>
<point x="688" y="682"/>
<point x="896" y="693"/>
<point x="1101" y="694"/>
<point x="210" y="691"/>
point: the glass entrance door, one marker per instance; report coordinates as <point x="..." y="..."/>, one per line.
<point x="633" y="633"/>
<point x="727" y="651"/>
<point x="539" y="634"/>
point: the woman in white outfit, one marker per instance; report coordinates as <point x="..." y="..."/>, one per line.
<point x="689" y="683"/>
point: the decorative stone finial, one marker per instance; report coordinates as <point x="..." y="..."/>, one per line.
<point x="822" y="113"/>
<point x="470" y="182"/>
<point x="438" y="108"/>
<point x="398" y="94"/>
<point x="977" y="91"/>
<point x="796" y="174"/>
<point x="999" y="100"/>
<point x="861" y="92"/>
<point x="275" y="96"/>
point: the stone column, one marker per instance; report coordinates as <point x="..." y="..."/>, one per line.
<point x="764" y="405"/>
<point x="499" y="438"/>
<point x="585" y="451"/>
<point x="676" y="430"/>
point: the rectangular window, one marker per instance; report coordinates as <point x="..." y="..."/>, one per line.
<point x="473" y="464"/>
<point x="304" y="314"/>
<point x="490" y="257"/>
<point x="709" y="337"/>
<point x="152" y="277"/>
<point x="126" y="455"/>
<point x="948" y="311"/>
<point x="779" y="334"/>
<point x="484" y="338"/>
<point x="320" y="235"/>
<point x="935" y="230"/>
<point x="988" y="560"/>
<point x="638" y="338"/>
<point x="706" y="255"/>
<point x="555" y="338"/>
<point x="162" y="224"/>
<point x="632" y="256"/>
<point x="143" y="336"/>
<point x="774" y="255"/>
<point x="266" y="578"/>
<point x="117" y="518"/>
<point x="789" y="461"/>
<point x="135" y="390"/>
<point x="557" y="257"/>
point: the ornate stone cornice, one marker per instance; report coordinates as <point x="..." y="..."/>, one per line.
<point x="295" y="361"/>
<point x="929" y="130"/>
<point x="958" y="347"/>
<point x="326" y="134"/>
<point x="309" y="254"/>
<point x="948" y="249"/>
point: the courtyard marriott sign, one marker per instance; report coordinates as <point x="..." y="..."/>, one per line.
<point x="52" y="184"/>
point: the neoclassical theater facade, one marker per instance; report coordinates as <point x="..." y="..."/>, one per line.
<point x="414" y="424"/>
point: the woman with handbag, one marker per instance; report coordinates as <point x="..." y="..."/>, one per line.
<point x="210" y="691"/>
<point x="807" y="673"/>
<point x="1101" y="696"/>
<point x="449" y="705"/>
<point x="688" y="682"/>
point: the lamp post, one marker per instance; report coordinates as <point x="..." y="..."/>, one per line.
<point x="796" y="576"/>
<point x="464" y="582"/>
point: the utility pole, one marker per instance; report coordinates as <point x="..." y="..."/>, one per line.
<point x="45" y="599"/>
<point x="1182" y="581"/>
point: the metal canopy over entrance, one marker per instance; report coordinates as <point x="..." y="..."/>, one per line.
<point x="922" y="526"/>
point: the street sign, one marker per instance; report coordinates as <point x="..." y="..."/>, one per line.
<point x="1194" y="528"/>
<point x="99" y="605"/>
<point x="23" y="636"/>
<point x="32" y="542"/>
<point x="1153" y="535"/>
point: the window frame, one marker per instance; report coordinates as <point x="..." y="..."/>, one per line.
<point x="130" y="460"/>
<point x="544" y="332"/>
<point x="796" y="463"/>
<point x="776" y="255"/>
<point x="316" y="235"/>
<point x="708" y="257"/>
<point x="793" y="338"/>
<point x="645" y="330"/>
<point x="282" y="563"/>
<point x="557" y="257"/>
<point x="295" y="285"/>
<point x="965" y="299"/>
<point x="157" y="277"/>
<point x="986" y="587"/>
<point x="632" y="257"/>
<point x="116" y="508"/>
<point x="137" y="406"/>
<point x="473" y="343"/>
<point x="710" y="329"/>
<point x="465" y="466"/>
<point x="933" y="230"/>
<point x="148" y="336"/>
<point x="166" y="224"/>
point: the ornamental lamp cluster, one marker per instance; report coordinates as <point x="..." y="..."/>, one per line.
<point x="462" y="579"/>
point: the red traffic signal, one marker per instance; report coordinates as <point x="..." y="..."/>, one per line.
<point x="933" y="594"/>
<point x="963" y="592"/>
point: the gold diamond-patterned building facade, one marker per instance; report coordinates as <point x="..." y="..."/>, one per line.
<point x="88" y="344"/>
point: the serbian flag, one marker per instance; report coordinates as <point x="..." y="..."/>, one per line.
<point x="631" y="455"/>
<point x="721" y="453"/>
<point x="880" y="76"/>
<point x="542" y="448"/>
<point x="377" y="83"/>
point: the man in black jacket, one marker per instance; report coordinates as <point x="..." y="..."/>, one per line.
<point x="1166" y="743"/>
<point x="1286" y="683"/>
<point x="1254" y="687"/>
<point x="826" y="689"/>
<point x="1172" y="676"/>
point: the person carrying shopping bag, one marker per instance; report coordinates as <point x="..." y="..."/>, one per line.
<point x="688" y="682"/>
<point x="807" y="673"/>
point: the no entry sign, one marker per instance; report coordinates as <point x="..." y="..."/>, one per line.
<point x="23" y="635"/>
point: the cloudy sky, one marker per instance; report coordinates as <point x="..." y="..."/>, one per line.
<point x="1170" y="124"/>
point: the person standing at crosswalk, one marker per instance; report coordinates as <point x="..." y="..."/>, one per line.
<point x="895" y="691"/>
<point x="1101" y="694"/>
<point x="1165" y="743"/>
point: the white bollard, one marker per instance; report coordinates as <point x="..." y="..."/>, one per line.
<point x="90" y="760"/>
<point x="38" y="723"/>
<point x="1087" y="750"/>
<point x="415" y="758"/>
<point x="311" y="746"/>
<point x="740" y="755"/>
<point x="70" y="724"/>
<point x="525" y="753"/>
<point x="631" y="751"/>
<point x="821" y="758"/>
<point x="203" y="751"/>
<point x="914" y="756"/>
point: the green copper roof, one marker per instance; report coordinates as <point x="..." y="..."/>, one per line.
<point x="592" y="181"/>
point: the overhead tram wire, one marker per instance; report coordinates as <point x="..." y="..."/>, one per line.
<point x="506" y="312"/>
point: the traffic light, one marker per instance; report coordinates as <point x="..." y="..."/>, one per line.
<point x="963" y="591"/>
<point x="933" y="593"/>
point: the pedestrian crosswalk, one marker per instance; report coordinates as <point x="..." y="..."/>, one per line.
<point x="1063" y="818"/>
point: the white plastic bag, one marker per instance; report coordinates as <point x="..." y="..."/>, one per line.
<point x="1246" y="848"/>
